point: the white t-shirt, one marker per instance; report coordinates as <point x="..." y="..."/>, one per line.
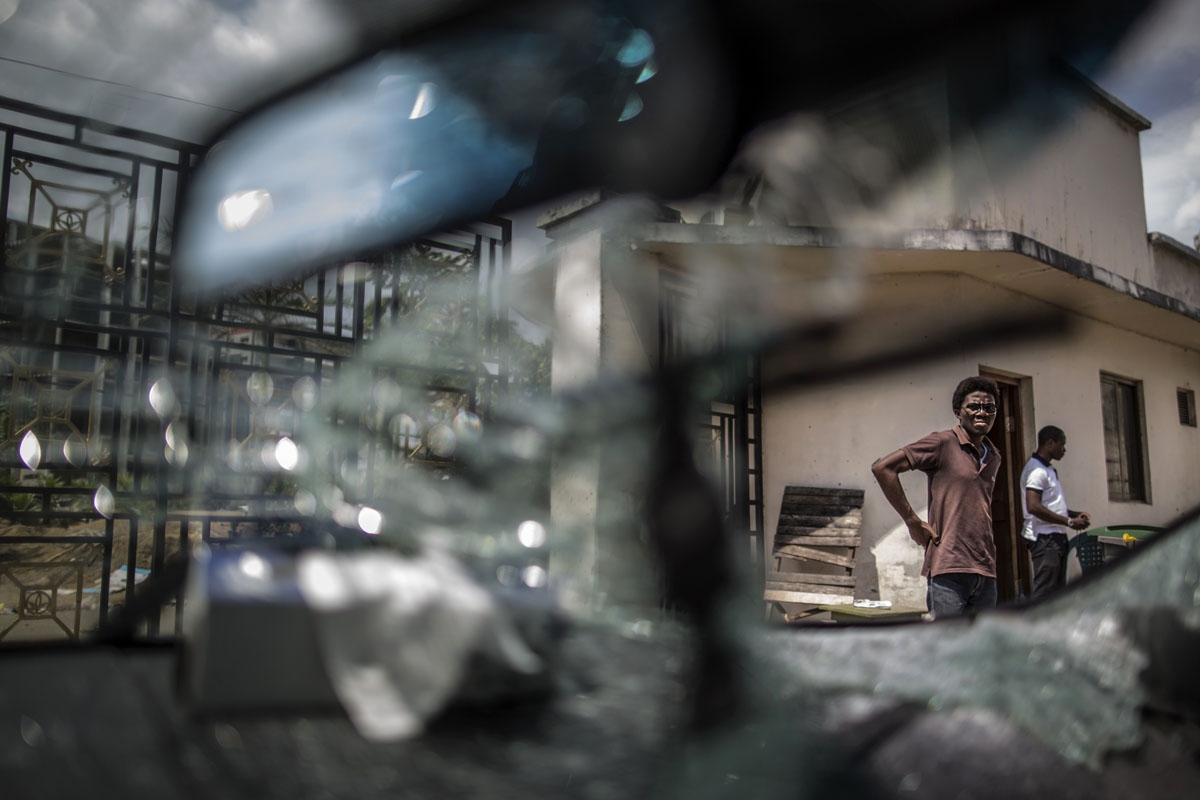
<point x="1042" y="478"/>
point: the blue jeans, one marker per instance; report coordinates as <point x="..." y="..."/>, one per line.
<point x="954" y="594"/>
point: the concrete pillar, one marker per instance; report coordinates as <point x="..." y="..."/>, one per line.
<point x="598" y="557"/>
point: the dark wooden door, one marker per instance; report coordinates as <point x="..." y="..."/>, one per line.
<point x="1012" y="559"/>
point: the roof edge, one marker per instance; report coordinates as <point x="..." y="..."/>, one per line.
<point x="953" y="239"/>
<point x="1114" y="104"/>
<point x="1174" y="245"/>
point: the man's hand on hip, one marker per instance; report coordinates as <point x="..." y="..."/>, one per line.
<point x="922" y="532"/>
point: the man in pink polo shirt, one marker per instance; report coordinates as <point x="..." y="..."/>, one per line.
<point x="961" y="464"/>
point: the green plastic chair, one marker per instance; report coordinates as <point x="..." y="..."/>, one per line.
<point x="1089" y="550"/>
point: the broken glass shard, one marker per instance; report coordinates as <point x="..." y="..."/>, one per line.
<point x="260" y="386"/>
<point x="31" y="450"/>
<point x="104" y="502"/>
<point x="75" y="450"/>
<point x="162" y="399"/>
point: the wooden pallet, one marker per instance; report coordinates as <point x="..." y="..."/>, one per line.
<point x="816" y="525"/>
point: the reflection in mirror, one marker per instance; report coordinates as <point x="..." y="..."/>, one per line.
<point x="412" y="140"/>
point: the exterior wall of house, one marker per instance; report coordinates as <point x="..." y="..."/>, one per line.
<point x="1174" y="269"/>
<point x="1079" y="191"/>
<point x="829" y="436"/>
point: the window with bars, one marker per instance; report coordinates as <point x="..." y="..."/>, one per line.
<point x="1186" y="399"/>
<point x="1124" y="439"/>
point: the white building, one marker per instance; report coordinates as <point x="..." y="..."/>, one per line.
<point x="1060" y="230"/>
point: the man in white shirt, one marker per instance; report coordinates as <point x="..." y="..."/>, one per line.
<point x="1047" y="518"/>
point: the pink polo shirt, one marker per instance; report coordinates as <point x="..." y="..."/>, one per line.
<point x="960" y="501"/>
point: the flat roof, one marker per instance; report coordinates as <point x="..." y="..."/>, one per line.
<point x="1174" y="245"/>
<point x="1003" y="258"/>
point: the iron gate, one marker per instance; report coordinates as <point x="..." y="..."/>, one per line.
<point x="730" y="428"/>
<point x="136" y="418"/>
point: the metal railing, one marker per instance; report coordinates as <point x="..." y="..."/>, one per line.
<point x="731" y="426"/>
<point x="135" y="419"/>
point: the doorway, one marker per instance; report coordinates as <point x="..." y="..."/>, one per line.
<point x="1013" y="570"/>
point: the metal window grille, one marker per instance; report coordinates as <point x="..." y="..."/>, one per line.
<point x="1124" y="439"/>
<point x="731" y="435"/>
<point x="1186" y="400"/>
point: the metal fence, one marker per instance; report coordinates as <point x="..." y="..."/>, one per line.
<point x="136" y="419"/>
<point x="731" y="426"/>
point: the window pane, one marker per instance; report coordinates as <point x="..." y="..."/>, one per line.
<point x="1186" y="399"/>
<point x="1131" y="438"/>
<point x="1113" y="452"/>
<point x="1121" y="408"/>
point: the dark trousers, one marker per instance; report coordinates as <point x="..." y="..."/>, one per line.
<point x="955" y="594"/>
<point x="1049" y="554"/>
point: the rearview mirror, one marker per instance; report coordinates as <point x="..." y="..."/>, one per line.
<point x="516" y="107"/>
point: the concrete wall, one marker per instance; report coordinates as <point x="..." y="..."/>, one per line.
<point x="830" y="436"/>
<point x="1079" y="191"/>
<point x="1174" y="269"/>
<point x="1076" y="188"/>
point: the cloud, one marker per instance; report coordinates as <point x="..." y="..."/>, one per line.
<point x="182" y="67"/>
<point x="1155" y="72"/>
<point x="1161" y="42"/>
<point x="1192" y="148"/>
<point x="123" y="60"/>
<point x="1185" y="219"/>
<point x="1187" y="216"/>
<point x="1171" y="173"/>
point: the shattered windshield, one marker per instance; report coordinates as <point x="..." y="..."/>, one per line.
<point x="396" y="358"/>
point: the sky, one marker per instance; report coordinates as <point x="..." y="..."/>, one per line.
<point x="177" y="67"/>
<point x="1157" y="74"/>
<point x="185" y="67"/>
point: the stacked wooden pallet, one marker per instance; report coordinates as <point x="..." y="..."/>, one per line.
<point x="817" y="526"/>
